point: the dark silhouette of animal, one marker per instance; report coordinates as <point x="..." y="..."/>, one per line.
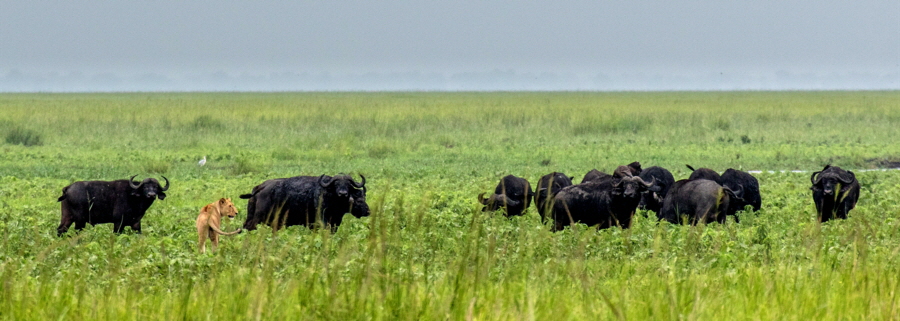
<point x="635" y="168"/>
<point x="651" y="200"/>
<point x="546" y="190"/>
<point x="606" y="203"/>
<point x="121" y="202"/>
<point x="513" y="194"/>
<point x="701" y="200"/>
<point x="594" y="175"/>
<point x="704" y="173"/>
<point x="835" y="192"/>
<point x="745" y="186"/>
<point x="306" y="200"/>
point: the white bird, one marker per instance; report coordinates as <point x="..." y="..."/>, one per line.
<point x="202" y="161"/>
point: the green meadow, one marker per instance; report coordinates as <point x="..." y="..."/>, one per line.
<point x="427" y="252"/>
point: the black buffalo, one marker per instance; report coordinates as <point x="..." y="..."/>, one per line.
<point x="607" y="202"/>
<point x="635" y="168"/>
<point x="651" y="200"/>
<point x="121" y="202"/>
<point x="835" y="192"/>
<point x="547" y="187"/>
<point x="745" y="186"/>
<point x="306" y="200"/>
<point x="513" y="194"/>
<point x="704" y="173"/>
<point x="701" y="200"/>
<point x="594" y="175"/>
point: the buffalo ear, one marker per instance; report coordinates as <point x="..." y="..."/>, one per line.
<point x="654" y="188"/>
<point x="161" y="196"/>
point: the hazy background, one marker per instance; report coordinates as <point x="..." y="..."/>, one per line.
<point x="448" y="45"/>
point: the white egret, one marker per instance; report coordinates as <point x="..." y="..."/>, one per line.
<point x="202" y="161"/>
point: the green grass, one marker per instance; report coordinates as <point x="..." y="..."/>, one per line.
<point x="427" y="252"/>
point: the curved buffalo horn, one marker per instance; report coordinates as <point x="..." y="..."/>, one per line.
<point x="847" y="182"/>
<point x="812" y="178"/>
<point x="481" y="199"/>
<point x="739" y="191"/>
<point x="641" y="180"/>
<point x="131" y="183"/>
<point x="690" y="167"/>
<point x="323" y="182"/>
<point x="165" y="188"/>
<point x="359" y="185"/>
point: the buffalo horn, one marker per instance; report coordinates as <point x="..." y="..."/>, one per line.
<point x="812" y="178"/>
<point x="131" y="183"/>
<point x="849" y="181"/>
<point x="481" y="199"/>
<point x="323" y="182"/>
<point x="165" y="188"/>
<point x="359" y="185"/>
<point x="652" y="181"/>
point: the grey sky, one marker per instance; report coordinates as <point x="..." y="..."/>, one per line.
<point x="669" y="42"/>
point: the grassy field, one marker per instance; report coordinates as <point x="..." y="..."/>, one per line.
<point x="427" y="252"/>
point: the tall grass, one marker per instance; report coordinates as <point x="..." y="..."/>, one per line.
<point x="427" y="252"/>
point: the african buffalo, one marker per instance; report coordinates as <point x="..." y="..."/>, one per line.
<point x="746" y="188"/>
<point x="608" y="202"/>
<point x="547" y="187"/>
<point x="704" y="173"/>
<point x="305" y="200"/>
<point x="835" y="192"/>
<point x="121" y="202"/>
<point x="513" y="194"/>
<point x="594" y="175"/>
<point x="701" y="200"/>
<point x="651" y="200"/>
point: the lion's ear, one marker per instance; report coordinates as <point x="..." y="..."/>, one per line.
<point x="222" y="200"/>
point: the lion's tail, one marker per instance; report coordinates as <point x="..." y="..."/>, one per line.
<point x="224" y="233"/>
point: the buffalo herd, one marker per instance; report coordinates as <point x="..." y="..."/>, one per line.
<point x="605" y="200"/>
<point x="600" y="199"/>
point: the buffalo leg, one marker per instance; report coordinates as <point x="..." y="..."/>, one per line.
<point x="118" y="227"/>
<point x="136" y="227"/>
<point x="79" y="225"/>
<point x="64" y="225"/>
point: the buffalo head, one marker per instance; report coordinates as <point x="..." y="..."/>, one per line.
<point x="148" y="188"/>
<point x="358" y="206"/>
<point x="831" y="178"/>
<point x="341" y="185"/>
<point x="629" y="186"/>
<point x="495" y="202"/>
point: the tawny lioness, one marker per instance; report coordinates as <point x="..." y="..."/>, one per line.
<point x="211" y="218"/>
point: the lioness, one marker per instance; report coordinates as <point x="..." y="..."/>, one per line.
<point x="211" y="218"/>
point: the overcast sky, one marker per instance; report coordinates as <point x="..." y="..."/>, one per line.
<point x="150" y="45"/>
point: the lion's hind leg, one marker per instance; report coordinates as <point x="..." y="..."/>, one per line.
<point x="203" y="232"/>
